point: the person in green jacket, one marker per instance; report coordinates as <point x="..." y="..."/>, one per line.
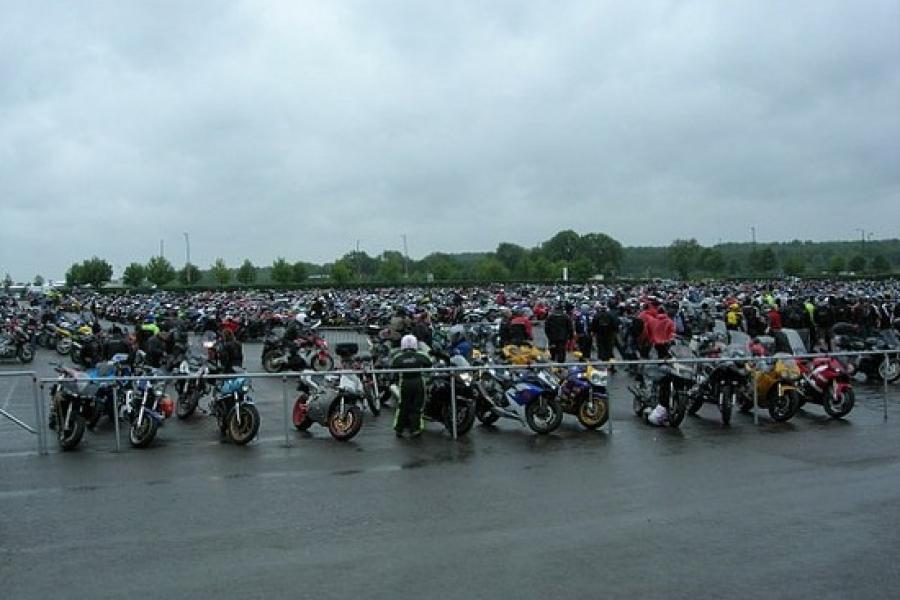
<point x="412" y="387"/>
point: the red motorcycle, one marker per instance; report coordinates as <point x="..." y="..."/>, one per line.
<point x="826" y="381"/>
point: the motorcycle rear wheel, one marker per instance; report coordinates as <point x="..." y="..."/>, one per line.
<point x="267" y="362"/>
<point x="889" y="369"/>
<point x="486" y="417"/>
<point x="26" y="353"/>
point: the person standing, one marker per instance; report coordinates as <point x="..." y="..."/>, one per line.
<point x="558" y="329"/>
<point x="583" y="337"/>
<point x="412" y="387"/>
<point x="604" y="326"/>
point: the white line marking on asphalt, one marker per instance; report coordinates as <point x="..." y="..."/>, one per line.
<point x="9" y="395"/>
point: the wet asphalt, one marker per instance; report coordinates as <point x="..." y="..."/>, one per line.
<point x="797" y="510"/>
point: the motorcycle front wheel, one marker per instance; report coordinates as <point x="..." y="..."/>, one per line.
<point x="346" y="427"/>
<point x="241" y="433"/>
<point x="26" y="353"/>
<point x="70" y="436"/>
<point x="142" y="435"/>
<point x="187" y="404"/>
<point x="593" y="413"/>
<point x="840" y="407"/>
<point x="465" y="416"/>
<point x="543" y="419"/>
<point x="782" y="408"/>
<point x="889" y="369"/>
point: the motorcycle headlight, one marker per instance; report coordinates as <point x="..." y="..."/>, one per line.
<point x="158" y="392"/>
<point x="184" y="368"/>
<point x="466" y="378"/>
<point x="598" y="378"/>
<point x="245" y="388"/>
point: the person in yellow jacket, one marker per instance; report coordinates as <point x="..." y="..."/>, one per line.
<point x="734" y="318"/>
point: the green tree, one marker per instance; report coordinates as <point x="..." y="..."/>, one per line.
<point x="220" y="272"/>
<point x="282" y="272"/>
<point x="74" y="276"/>
<point x="134" y="275"/>
<point x="563" y="246"/>
<point x="712" y="261"/>
<point x="511" y="256"/>
<point x="299" y="272"/>
<point x="880" y="264"/>
<point x="490" y="269"/>
<point x="857" y="264"/>
<point x="38" y="280"/>
<point x="190" y="275"/>
<point x="604" y="253"/>
<point x="793" y="265"/>
<point x="159" y="271"/>
<point x="341" y="273"/>
<point x="762" y="260"/>
<point x="247" y="272"/>
<point x="582" y="268"/>
<point x="391" y="268"/>
<point x="683" y="256"/>
<point x="837" y="264"/>
<point x="542" y="269"/>
<point x="363" y="265"/>
<point x="94" y="272"/>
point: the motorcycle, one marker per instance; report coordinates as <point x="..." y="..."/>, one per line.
<point x="884" y="367"/>
<point x="351" y="360"/>
<point x="723" y="383"/>
<point x="307" y="352"/>
<point x="235" y="410"/>
<point x="146" y="407"/>
<point x="337" y="404"/>
<point x="669" y="382"/>
<point x="529" y="397"/>
<point x="15" y="345"/>
<point x="583" y="393"/>
<point x="191" y="389"/>
<point x="826" y="381"/>
<point x="776" y="379"/>
<point x="438" y="406"/>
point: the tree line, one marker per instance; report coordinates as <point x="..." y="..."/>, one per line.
<point x="583" y="256"/>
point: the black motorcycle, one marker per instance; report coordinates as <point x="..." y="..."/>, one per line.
<point x="722" y="383"/>
<point x="668" y="383"/>
<point x="883" y="367"/>
<point x="15" y="344"/>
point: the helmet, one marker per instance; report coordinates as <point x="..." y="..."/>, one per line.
<point x="300" y="318"/>
<point x="409" y="342"/>
<point x="85" y="330"/>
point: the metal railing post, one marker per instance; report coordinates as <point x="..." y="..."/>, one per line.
<point x="755" y="398"/>
<point x="116" y="422"/>
<point x="453" y="402"/>
<point x="886" y="365"/>
<point x="609" y="418"/>
<point x="287" y="416"/>
<point x="39" y="421"/>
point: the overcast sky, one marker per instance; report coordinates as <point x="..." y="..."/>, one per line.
<point x="297" y="128"/>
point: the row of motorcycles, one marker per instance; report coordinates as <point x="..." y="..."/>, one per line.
<point x="762" y="369"/>
<point x="537" y="396"/>
<point x="79" y="399"/>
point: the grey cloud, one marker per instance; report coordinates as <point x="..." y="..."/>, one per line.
<point x="268" y="128"/>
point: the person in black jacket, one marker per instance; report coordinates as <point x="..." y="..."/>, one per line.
<point x="231" y="353"/>
<point x="604" y="326"/>
<point x="558" y="329"/>
<point x="412" y="387"/>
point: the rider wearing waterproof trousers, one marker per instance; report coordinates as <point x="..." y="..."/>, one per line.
<point x="412" y="387"/>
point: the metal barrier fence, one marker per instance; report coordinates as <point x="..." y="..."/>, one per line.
<point x="41" y="417"/>
<point x="38" y="429"/>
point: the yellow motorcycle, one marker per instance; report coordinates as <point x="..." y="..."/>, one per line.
<point x="776" y="380"/>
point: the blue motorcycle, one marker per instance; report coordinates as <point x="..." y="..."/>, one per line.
<point x="529" y="397"/>
<point x="583" y="393"/>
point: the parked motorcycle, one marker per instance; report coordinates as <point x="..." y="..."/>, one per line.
<point x="826" y="381"/>
<point x="883" y="367"/>
<point x="15" y="345"/>
<point x="337" y="403"/>
<point x="146" y="408"/>
<point x="583" y="393"/>
<point x="234" y="410"/>
<point x="529" y="397"/>
<point x="307" y="352"/>
<point x="667" y="383"/>
<point x="723" y="383"/>
<point x="438" y="405"/>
